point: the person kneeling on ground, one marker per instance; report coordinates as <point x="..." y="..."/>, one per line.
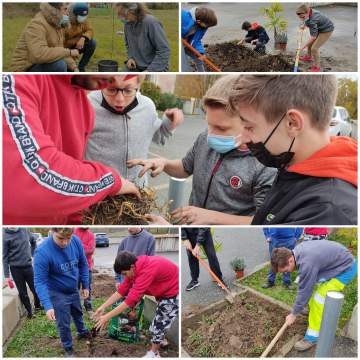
<point x="145" y="275"/>
<point x="194" y="25"/>
<point x="228" y="184"/>
<point x="80" y="34"/>
<point x="320" y="27"/>
<point x="256" y="35"/>
<point x="322" y="266"/>
<point x="41" y="44"/>
<point x="60" y="264"/>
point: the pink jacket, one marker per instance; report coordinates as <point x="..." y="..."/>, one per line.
<point x="88" y="241"/>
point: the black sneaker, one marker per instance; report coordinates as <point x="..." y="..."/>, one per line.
<point x="289" y="286"/>
<point x="192" y="285"/>
<point x="69" y="352"/>
<point x="30" y="316"/>
<point x="268" y="285"/>
<point x="224" y="282"/>
<point x="84" y="336"/>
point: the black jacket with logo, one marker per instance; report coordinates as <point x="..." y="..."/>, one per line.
<point x="308" y="200"/>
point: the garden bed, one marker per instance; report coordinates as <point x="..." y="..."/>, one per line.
<point x="230" y="57"/>
<point x="243" y="329"/>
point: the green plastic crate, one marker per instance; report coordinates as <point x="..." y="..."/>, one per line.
<point x="118" y="324"/>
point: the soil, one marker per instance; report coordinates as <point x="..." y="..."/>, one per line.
<point x="243" y="329"/>
<point x="230" y="57"/>
<point x="103" y="346"/>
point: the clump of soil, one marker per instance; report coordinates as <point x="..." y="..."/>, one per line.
<point x="243" y="329"/>
<point x="230" y="57"/>
<point x="103" y="286"/>
<point x="122" y="210"/>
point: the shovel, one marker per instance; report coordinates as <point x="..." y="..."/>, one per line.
<point x="297" y="57"/>
<point x="230" y="296"/>
<point x="274" y="340"/>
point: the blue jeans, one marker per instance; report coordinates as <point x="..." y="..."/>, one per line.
<point x="272" y="275"/>
<point x="56" y="66"/>
<point x="67" y="306"/>
<point x="87" y="51"/>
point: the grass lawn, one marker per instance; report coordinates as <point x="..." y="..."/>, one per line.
<point x="22" y="343"/>
<point x="288" y="296"/>
<point x="102" y="22"/>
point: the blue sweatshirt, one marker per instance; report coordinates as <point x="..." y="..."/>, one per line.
<point x="143" y="243"/>
<point x="60" y="270"/>
<point x="282" y="237"/>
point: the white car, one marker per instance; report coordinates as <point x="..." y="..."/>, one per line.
<point x="340" y="124"/>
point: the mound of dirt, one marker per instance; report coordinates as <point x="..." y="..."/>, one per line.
<point x="230" y="57"/>
<point x="102" y="286"/>
<point x="243" y="329"/>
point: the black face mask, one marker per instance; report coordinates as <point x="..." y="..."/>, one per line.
<point x="264" y="156"/>
<point x="124" y="111"/>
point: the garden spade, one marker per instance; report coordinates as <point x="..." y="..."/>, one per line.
<point x="230" y="296"/>
<point x="297" y="57"/>
<point x="274" y="341"/>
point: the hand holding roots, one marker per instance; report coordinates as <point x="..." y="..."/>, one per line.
<point x="122" y="210"/>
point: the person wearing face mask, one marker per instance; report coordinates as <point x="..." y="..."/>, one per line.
<point x="228" y="183"/>
<point x="145" y="275"/>
<point x="145" y="39"/>
<point x="60" y="264"/>
<point x="47" y="120"/>
<point x="126" y="123"/>
<point x="18" y="245"/>
<point x="286" y="122"/>
<point x="194" y="25"/>
<point x="41" y="44"/>
<point x="80" y="34"/>
<point x="320" y="28"/>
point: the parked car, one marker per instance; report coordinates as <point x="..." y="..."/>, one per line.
<point x="101" y="239"/>
<point x="340" y="124"/>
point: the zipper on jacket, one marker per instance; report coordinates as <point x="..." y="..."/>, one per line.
<point x="127" y="144"/>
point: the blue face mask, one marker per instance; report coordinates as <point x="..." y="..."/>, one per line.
<point x="221" y="144"/>
<point x="80" y="19"/>
<point x="64" y="21"/>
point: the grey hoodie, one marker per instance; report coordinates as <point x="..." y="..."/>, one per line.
<point x="315" y="261"/>
<point x="17" y="246"/>
<point x="118" y="138"/>
<point x="239" y="185"/>
<point x="147" y="44"/>
<point x="318" y="23"/>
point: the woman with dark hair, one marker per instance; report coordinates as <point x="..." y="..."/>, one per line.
<point x="41" y="44"/>
<point x="146" y="43"/>
<point x="145" y="275"/>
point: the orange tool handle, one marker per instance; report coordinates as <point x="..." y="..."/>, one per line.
<point x="212" y="274"/>
<point x="202" y="57"/>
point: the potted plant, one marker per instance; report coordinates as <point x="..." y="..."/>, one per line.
<point x="238" y="265"/>
<point x="277" y="23"/>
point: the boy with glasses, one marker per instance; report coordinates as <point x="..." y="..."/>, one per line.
<point x="126" y="122"/>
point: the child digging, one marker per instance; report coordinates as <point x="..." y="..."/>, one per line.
<point x="286" y="122"/>
<point x="145" y="275"/>
<point x="322" y="266"/>
<point x="320" y="27"/>
<point x="228" y="183"/>
<point x="256" y="35"/>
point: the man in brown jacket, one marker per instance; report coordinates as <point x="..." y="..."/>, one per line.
<point x="80" y="34"/>
<point x="41" y="44"/>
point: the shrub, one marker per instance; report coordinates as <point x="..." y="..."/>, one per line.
<point x="152" y="91"/>
<point x="168" y="101"/>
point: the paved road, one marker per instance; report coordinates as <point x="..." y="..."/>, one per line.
<point x="342" y="45"/>
<point x="104" y="256"/>
<point x="248" y="243"/>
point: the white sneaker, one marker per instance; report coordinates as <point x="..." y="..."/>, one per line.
<point x="151" y="354"/>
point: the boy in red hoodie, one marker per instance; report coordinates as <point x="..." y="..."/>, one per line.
<point x="286" y="120"/>
<point x="145" y="275"/>
<point x="47" y="120"/>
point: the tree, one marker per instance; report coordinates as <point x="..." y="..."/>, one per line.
<point x="347" y="96"/>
